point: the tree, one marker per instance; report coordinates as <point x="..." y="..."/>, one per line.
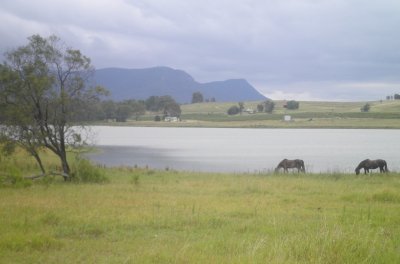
<point x="260" y="107"/>
<point x="123" y="111"/>
<point x="108" y="109"/>
<point x="366" y="107"/>
<point x="138" y="108"/>
<point x="241" y="107"/>
<point x="396" y="96"/>
<point x="165" y="104"/>
<point x="269" y="106"/>
<point x="233" y="110"/>
<point x="292" y="105"/>
<point x="197" y="97"/>
<point x="172" y="108"/>
<point x="43" y="91"/>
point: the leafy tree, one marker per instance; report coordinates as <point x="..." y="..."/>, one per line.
<point x="43" y="93"/>
<point x="138" y="109"/>
<point x="269" y="106"/>
<point x="123" y="111"/>
<point x="241" y="107"/>
<point x="153" y="103"/>
<point x="172" y="108"/>
<point x="233" y="110"/>
<point x="366" y="107"/>
<point x="197" y="97"/>
<point x="260" y="107"/>
<point x="165" y="104"/>
<point x="108" y="109"/>
<point x="396" y="96"/>
<point x="292" y="105"/>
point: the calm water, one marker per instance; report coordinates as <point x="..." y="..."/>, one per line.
<point x="244" y="150"/>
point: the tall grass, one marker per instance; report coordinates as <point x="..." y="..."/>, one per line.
<point x="147" y="216"/>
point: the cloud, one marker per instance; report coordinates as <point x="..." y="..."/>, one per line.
<point x="308" y="48"/>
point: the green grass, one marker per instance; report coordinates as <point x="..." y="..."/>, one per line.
<point x="383" y="114"/>
<point x="147" y="216"/>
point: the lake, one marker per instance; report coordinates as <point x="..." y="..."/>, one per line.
<point x="243" y="150"/>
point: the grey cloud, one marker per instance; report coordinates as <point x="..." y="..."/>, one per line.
<point x="292" y="46"/>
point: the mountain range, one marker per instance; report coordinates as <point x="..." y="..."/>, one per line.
<point x="143" y="83"/>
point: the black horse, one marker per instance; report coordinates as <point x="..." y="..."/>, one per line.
<point x="289" y="164"/>
<point x="372" y="164"/>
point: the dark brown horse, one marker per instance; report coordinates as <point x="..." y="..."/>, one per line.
<point x="371" y="165"/>
<point x="290" y="164"/>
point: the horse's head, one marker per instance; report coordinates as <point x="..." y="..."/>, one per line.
<point x="357" y="170"/>
<point x="277" y="169"/>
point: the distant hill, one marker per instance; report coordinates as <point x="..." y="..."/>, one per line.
<point x="143" y="83"/>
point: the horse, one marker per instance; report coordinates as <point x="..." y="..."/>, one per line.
<point x="289" y="164"/>
<point x="372" y="164"/>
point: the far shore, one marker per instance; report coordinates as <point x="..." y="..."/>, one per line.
<point x="383" y="114"/>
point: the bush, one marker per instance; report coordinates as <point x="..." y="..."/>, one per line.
<point x="84" y="171"/>
<point x="366" y="108"/>
<point x="233" y="110"/>
<point x="11" y="176"/>
<point x="269" y="106"/>
<point x="292" y="104"/>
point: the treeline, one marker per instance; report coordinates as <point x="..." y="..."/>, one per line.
<point x="267" y="106"/>
<point x="120" y="111"/>
<point x="393" y="97"/>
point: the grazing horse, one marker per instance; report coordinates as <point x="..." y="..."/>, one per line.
<point x="372" y="164"/>
<point x="289" y="164"/>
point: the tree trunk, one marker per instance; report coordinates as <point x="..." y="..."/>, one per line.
<point x="39" y="161"/>
<point x="65" y="166"/>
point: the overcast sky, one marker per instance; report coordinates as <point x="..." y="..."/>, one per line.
<point x="287" y="49"/>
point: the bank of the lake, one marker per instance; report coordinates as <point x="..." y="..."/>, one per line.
<point x="149" y="216"/>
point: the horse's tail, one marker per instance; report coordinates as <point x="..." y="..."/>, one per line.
<point x="303" y="168"/>
<point x="385" y="165"/>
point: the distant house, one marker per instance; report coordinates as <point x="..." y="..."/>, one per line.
<point x="249" y="111"/>
<point x="171" y="119"/>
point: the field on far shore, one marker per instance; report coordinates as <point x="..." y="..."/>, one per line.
<point x="382" y="114"/>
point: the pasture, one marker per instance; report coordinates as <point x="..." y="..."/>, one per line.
<point x="382" y="114"/>
<point x="148" y="216"/>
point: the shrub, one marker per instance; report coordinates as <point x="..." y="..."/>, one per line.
<point x="233" y="110"/>
<point x="84" y="171"/>
<point x="11" y="176"/>
<point x="269" y="106"/>
<point x="366" y="108"/>
<point x="292" y="104"/>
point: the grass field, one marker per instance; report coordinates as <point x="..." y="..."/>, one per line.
<point x="147" y="216"/>
<point x="383" y="114"/>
